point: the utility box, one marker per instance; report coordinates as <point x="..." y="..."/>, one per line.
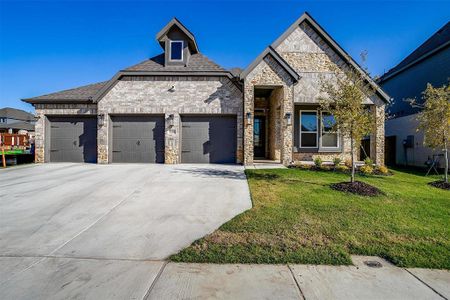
<point x="409" y="142"/>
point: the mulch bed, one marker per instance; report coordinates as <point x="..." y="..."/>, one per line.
<point x="357" y="187"/>
<point x="440" y="184"/>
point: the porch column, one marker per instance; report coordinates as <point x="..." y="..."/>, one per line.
<point x="377" y="135"/>
<point x="249" y="108"/>
<point x="287" y="125"/>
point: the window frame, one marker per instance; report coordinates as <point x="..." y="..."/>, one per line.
<point x="322" y="132"/>
<point x="182" y="50"/>
<point x="316" y="132"/>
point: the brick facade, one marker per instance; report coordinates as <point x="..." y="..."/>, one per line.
<point x="155" y="95"/>
<point x="43" y="111"/>
<point x="303" y="50"/>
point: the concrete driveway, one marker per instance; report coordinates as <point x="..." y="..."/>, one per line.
<point x="68" y="227"/>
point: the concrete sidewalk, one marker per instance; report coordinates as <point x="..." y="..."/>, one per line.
<point x="62" y="278"/>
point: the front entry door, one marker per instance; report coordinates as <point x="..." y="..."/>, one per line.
<point x="259" y="137"/>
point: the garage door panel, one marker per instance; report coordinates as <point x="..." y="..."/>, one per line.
<point x="138" y="139"/>
<point x="208" y="139"/>
<point x="73" y="139"/>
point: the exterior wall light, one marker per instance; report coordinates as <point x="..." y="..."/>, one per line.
<point x="101" y="120"/>
<point x="171" y="120"/>
<point x="249" y="118"/>
<point x="289" y="118"/>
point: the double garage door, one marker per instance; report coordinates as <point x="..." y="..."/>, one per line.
<point x="140" y="139"/>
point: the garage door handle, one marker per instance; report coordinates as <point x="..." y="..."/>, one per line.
<point x="74" y="143"/>
<point x="185" y="151"/>
<point x="138" y="143"/>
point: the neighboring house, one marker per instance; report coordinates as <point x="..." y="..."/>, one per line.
<point x="14" y="120"/>
<point x="429" y="63"/>
<point x="180" y="107"/>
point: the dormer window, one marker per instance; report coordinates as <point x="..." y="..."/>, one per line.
<point x="176" y="50"/>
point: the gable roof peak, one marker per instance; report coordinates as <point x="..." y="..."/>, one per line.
<point x="333" y="45"/>
<point x="160" y="36"/>
<point x="274" y="54"/>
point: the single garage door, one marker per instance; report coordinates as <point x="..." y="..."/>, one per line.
<point x="73" y="139"/>
<point x="138" y="139"/>
<point x="208" y="139"/>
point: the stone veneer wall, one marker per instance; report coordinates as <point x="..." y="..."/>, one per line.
<point x="153" y="95"/>
<point x="45" y="110"/>
<point x="312" y="58"/>
<point x="268" y="73"/>
<point x="275" y="133"/>
<point x="377" y="136"/>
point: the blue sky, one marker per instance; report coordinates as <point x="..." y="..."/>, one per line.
<point x="47" y="46"/>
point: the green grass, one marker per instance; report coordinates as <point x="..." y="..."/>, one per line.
<point x="297" y="218"/>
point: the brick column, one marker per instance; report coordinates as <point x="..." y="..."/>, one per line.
<point x="377" y="135"/>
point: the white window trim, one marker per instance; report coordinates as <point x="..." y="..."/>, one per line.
<point x="322" y="132"/>
<point x="316" y="132"/>
<point x="182" y="50"/>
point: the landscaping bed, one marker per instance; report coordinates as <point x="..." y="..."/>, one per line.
<point x="357" y="187"/>
<point x="298" y="218"/>
<point x="440" y="184"/>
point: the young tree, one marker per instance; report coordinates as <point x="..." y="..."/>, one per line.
<point x="434" y="119"/>
<point x="344" y="97"/>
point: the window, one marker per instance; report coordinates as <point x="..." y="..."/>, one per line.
<point x="176" y="50"/>
<point x="308" y="129"/>
<point x="329" y="138"/>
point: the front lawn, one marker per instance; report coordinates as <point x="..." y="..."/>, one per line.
<point x="297" y="218"/>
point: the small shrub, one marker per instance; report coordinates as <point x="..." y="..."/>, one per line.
<point x="304" y="166"/>
<point x="342" y="168"/>
<point x="366" y="169"/>
<point x="382" y="170"/>
<point x="318" y="162"/>
<point x="348" y="163"/>
<point x="368" y="161"/>
<point x="336" y="161"/>
<point x="325" y="168"/>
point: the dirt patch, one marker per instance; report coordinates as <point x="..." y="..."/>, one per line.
<point x="357" y="187"/>
<point x="440" y="184"/>
<point x="285" y="241"/>
<point x="264" y="176"/>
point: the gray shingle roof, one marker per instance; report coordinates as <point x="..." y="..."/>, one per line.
<point x="16" y="114"/>
<point x="197" y="63"/>
<point x="18" y="125"/>
<point x="79" y="94"/>
<point x="439" y="39"/>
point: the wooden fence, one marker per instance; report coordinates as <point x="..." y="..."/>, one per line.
<point x="14" y="140"/>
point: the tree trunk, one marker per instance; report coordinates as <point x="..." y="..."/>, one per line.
<point x="446" y="162"/>
<point x="353" y="160"/>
